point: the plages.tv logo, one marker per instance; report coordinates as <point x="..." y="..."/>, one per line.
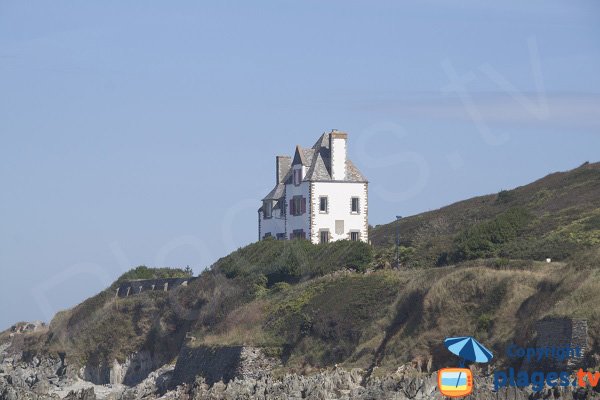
<point x="458" y="382"/>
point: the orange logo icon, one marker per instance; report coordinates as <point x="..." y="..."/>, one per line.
<point x="455" y="382"/>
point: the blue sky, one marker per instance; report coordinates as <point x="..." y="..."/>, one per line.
<point x="144" y="132"/>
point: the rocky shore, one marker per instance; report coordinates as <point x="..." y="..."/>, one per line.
<point x="41" y="379"/>
<point x="225" y="373"/>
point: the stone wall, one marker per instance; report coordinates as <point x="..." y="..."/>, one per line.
<point x="134" y="370"/>
<point x="563" y="332"/>
<point x="132" y="287"/>
<point x="222" y="363"/>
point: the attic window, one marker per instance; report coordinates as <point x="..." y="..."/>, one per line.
<point x="297" y="176"/>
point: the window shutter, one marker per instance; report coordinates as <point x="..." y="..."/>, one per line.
<point x="303" y="206"/>
<point x="292" y="211"/>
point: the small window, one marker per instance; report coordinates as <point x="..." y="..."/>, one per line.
<point x="298" y="234"/>
<point x="268" y="209"/>
<point x="355" y="205"/>
<point x="355" y="236"/>
<point x="267" y="235"/>
<point x="323" y="204"/>
<point x="297" y="205"/>
<point x="324" y="236"/>
<point x="281" y="236"/>
<point x="297" y="176"/>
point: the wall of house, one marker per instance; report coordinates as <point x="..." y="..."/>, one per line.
<point x="300" y="221"/>
<point x="339" y="208"/>
<point x="274" y="225"/>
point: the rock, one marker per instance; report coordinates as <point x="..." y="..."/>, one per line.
<point x="83" y="394"/>
<point x="41" y="386"/>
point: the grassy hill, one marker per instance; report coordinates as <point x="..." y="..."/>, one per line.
<point x="390" y="317"/>
<point x="554" y="217"/>
<point x="471" y="268"/>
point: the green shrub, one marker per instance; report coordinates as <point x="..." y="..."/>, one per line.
<point x="280" y="287"/>
<point x="505" y="196"/>
<point x="484" y="323"/>
<point x="293" y="260"/>
<point x="484" y="240"/>
<point x="143" y="272"/>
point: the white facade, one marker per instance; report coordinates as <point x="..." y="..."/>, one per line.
<point x="339" y="199"/>
<point x="319" y="195"/>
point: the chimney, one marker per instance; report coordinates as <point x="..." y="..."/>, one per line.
<point x="337" y="145"/>
<point x="282" y="166"/>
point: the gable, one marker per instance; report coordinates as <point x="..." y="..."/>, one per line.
<point x="299" y="157"/>
<point x="317" y="160"/>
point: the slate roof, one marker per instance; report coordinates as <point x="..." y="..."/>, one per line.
<point x="277" y="192"/>
<point x="317" y="160"/>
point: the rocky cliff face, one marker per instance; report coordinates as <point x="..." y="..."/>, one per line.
<point x="406" y="383"/>
<point x="254" y="377"/>
<point x="222" y="363"/>
<point x="134" y="370"/>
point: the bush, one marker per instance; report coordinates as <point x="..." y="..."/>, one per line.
<point x="293" y="260"/>
<point x="484" y="323"/>
<point x="484" y="240"/>
<point x="505" y="196"/>
<point x="143" y="272"/>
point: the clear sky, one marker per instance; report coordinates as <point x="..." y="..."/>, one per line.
<point x="144" y="132"/>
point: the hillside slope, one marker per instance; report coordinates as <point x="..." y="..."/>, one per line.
<point x="553" y="217"/>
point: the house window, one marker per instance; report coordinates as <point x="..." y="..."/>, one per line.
<point x="298" y="234"/>
<point x="297" y="205"/>
<point x="323" y="204"/>
<point x="355" y="205"/>
<point x="268" y="209"/>
<point x="267" y="235"/>
<point x="297" y="176"/>
<point x="355" y="236"/>
<point x="281" y="236"/>
<point x="324" y="236"/>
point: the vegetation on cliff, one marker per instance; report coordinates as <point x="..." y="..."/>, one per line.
<point x="554" y="217"/>
<point x="473" y="268"/>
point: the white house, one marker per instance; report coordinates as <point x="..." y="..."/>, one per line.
<point x="319" y="195"/>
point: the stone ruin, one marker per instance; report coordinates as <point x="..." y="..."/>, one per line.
<point x="563" y="333"/>
<point x="138" y="286"/>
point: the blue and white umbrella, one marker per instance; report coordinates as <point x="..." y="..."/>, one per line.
<point x="467" y="348"/>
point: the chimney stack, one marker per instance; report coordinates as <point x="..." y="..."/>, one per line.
<point x="338" y="145"/>
<point x="282" y="166"/>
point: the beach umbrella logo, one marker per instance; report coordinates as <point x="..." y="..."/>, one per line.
<point x="458" y="382"/>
